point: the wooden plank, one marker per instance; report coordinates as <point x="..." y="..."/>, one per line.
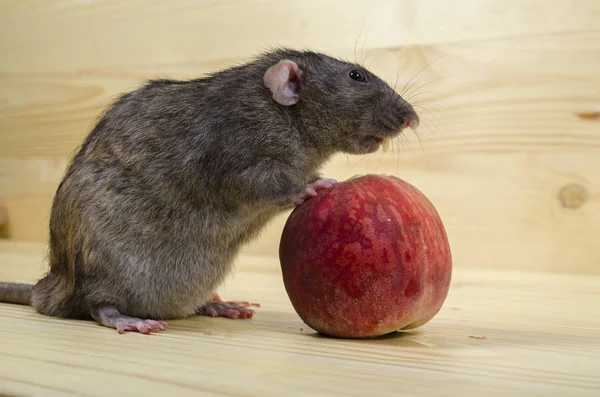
<point x="508" y="95"/>
<point x="113" y="33"/>
<point x="151" y="32"/>
<point x="499" y="333"/>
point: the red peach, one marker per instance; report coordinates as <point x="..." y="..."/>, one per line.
<point x="365" y="258"/>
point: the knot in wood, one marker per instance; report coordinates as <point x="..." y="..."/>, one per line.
<point x="572" y="196"/>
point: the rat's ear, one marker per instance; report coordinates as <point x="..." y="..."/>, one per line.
<point x="285" y="80"/>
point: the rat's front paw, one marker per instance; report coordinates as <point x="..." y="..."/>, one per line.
<point x="311" y="190"/>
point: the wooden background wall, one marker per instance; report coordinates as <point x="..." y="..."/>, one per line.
<point x="509" y="92"/>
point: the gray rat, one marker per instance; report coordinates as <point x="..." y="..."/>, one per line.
<point x="177" y="175"/>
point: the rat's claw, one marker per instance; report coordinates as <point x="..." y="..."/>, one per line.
<point x="233" y="314"/>
<point x="120" y="327"/>
<point x="142" y="327"/>
<point x="211" y="312"/>
<point x="311" y="190"/>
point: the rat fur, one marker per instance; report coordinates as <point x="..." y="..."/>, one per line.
<point x="177" y="175"/>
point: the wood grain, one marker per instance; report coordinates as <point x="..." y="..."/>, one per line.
<point x="505" y="91"/>
<point x="499" y="333"/>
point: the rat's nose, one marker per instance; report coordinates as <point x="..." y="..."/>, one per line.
<point x="406" y="116"/>
<point x="411" y="119"/>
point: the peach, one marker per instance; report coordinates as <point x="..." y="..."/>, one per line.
<point x="365" y="258"/>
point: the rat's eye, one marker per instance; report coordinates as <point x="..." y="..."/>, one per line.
<point x="357" y="75"/>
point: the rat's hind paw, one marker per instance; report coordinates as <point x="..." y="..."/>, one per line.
<point x="233" y="310"/>
<point x="217" y="298"/>
<point x="214" y="309"/>
<point x="142" y="326"/>
<point x="110" y="317"/>
<point x="311" y="190"/>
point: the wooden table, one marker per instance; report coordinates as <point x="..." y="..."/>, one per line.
<point x="500" y="333"/>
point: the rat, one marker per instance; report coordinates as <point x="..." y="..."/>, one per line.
<point x="177" y="175"/>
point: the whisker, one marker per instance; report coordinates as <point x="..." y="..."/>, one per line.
<point x="409" y="97"/>
<point x="407" y="89"/>
<point x="353" y="166"/>
<point x="428" y="112"/>
<point x="423" y="108"/>
<point x="428" y="126"/>
<point x="406" y="144"/>
<point x="381" y="155"/>
<point x="435" y="104"/>
<point x="398" y="75"/>
<point x="357" y="38"/>
<point x="397" y="155"/>
<point x="425" y="118"/>
<point x="363" y="48"/>
<point x="420" y="71"/>
<point x="419" y="138"/>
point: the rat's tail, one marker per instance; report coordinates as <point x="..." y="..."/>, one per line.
<point x="16" y="293"/>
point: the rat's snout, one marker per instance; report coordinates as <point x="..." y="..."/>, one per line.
<point x="396" y="115"/>
<point x="405" y="114"/>
<point x="409" y="118"/>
